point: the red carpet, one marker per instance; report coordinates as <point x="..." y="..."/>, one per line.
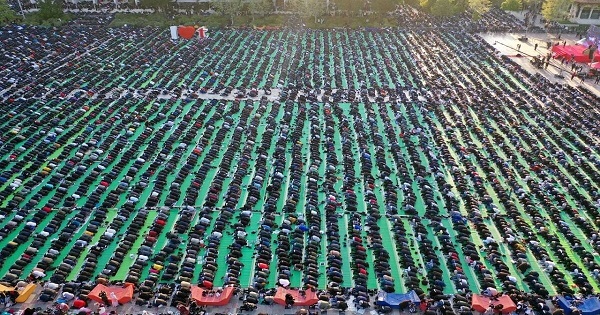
<point x="309" y="299"/>
<point x="221" y="300"/>
<point x="481" y="303"/>
<point x="573" y="50"/>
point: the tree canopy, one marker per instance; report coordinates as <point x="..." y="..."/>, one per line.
<point x="309" y="8"/>
<point x="511" y="5"/>
<point x="443" y="8"/>
<point x="555" y="10"/>
<point x="158" y="5"/>
<point x="260" y="7"/>
<point x="227" y="7"/>
<point x="480" y="7"/>
<point x="7" y="14"/>
<point x="50" y="9"/>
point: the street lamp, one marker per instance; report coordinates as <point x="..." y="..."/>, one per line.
<point x="21" y="8"/>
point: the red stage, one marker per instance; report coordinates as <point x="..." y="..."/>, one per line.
<point x="221" y="300"/>
<point x="573" y="50"/>
<point x="123" y="294"/>
<point x="310" y="298"/>
<point x="481" y="303"/>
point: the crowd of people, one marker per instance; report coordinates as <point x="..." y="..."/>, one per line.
<point x="337" y="161"/>
<point x="495" y="20"/>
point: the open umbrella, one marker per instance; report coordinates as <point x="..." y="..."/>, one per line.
<point x="595" y="65"/>
<point x="284" y="282"/>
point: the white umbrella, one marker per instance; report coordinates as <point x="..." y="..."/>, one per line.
<point x="68" y="296"/>
<point x="284" y="282"/>
<point x="38" y="274"/>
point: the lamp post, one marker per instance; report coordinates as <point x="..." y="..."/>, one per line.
<point x="21" y="8"/>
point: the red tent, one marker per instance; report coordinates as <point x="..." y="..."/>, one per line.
<point x="481" y="303"/>
<point x="124" y="294"/>
<point x="578" y="51"/>
<point x="213" y="300"/>
<point x="310" y="297"/>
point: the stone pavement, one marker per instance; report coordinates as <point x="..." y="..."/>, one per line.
<point x="506" y="44"/>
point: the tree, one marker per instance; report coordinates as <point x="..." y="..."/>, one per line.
<point x="228" y="7"/>
<point x="7" y="14"/>
<point x="511" y="5"/>
<point x="555" y="10"/>
<point x="50" y="9"/>
<point x="426" y="4"/>
<point x="479" y="7"/>
<point x="260" y="7"/>
<point x="442" y="8"/>
<point x="309" y="8"/>
<point x="157" y="5"/>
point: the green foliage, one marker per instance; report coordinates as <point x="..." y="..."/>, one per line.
<point x="50" y="9"/>
<point x="309" y="8"/>
<point x="260" y="7"/>
<point x="442" y="8"/>
<point x="228" y="7"/>
<point x="375" y="20"/>
<point x="412" y="3"/>
<point x="34" y="18"/>
<point x="511" y="5"/>
<point x="479" y="7"/>
<point x="555" y="10"/>
<point x="158" y="5"/>
<point x="7" y="15"/>
<point x="426" y="4"/>
<point x="384" y="6"/>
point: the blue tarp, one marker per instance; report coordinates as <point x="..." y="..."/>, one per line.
<point x="394" y="300"/>
<point x="590" y="306"/>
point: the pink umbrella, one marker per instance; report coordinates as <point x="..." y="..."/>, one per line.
<point x="595" y="65"/>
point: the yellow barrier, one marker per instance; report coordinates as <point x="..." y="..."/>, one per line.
<point x="25" y="293"/>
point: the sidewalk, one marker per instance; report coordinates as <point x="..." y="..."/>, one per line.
<point x="501" y="41"/>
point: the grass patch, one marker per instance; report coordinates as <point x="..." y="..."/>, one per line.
<point x="267" y="20"/>
<point x="162" y="20"/>
<point x="216" y="21"/>
<point x="34" y="18"/>
<point x="381" y="6"/>
<point x="352" y="22"/>
<point x="140" y="20"/>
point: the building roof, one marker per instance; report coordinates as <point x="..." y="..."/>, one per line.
<point x="587" y="1"/>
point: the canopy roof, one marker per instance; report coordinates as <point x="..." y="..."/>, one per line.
<point x="123" y="294"/>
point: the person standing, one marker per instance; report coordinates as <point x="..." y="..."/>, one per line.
<point x="535" y="46"/>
